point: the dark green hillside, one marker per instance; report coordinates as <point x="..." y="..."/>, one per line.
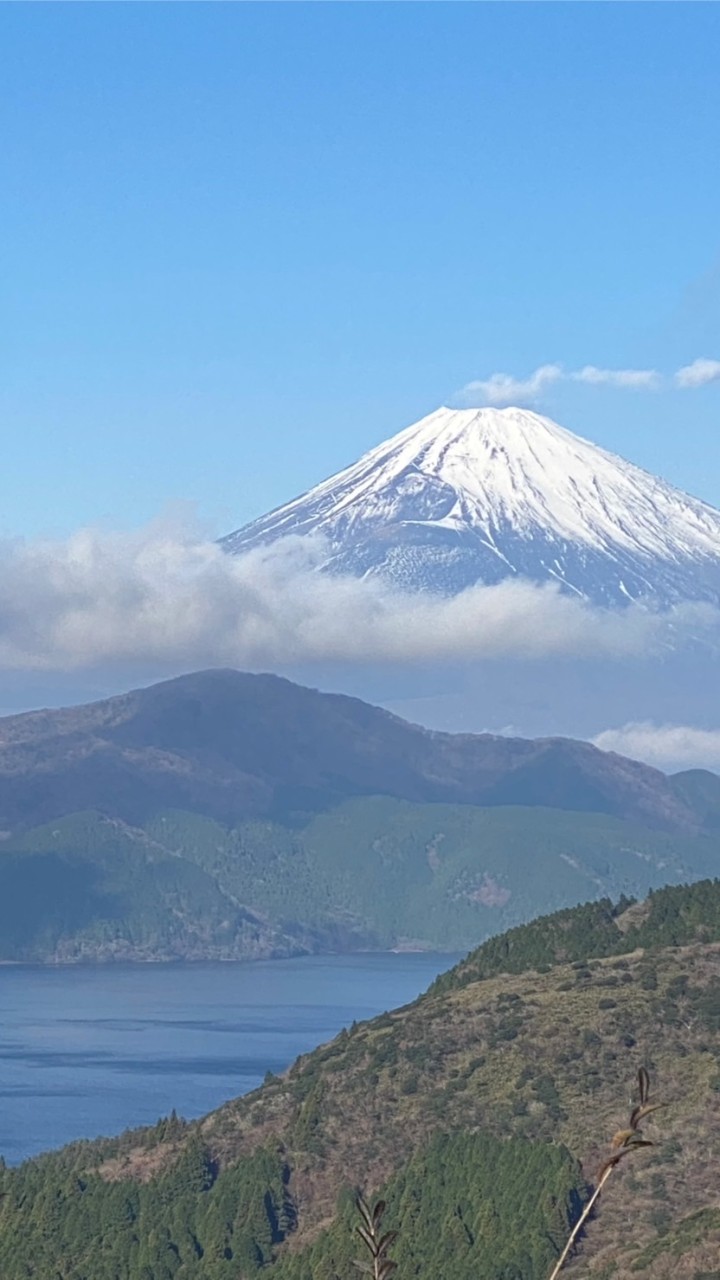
<point x="671" y="917"/>
<point x="468" y="1206"/>
<point x="463" y="1106"/>
<point x="201" y="1225"/>
<point x="91" y="887"/>
<point x="451" y="874"/>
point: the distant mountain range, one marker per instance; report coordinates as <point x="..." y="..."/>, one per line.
<point x="470" y="496"/>
<point x="225" y="814"/>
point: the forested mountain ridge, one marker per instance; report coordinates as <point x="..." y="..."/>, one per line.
<point x="90" y="887"/>
<point x="676" y="916"/>
<point x="234" y="746"/>
<point x="224" y="815"/>
<point x="470" y="1107"/>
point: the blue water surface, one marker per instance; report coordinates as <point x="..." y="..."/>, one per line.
<point x="91" y="1050"/>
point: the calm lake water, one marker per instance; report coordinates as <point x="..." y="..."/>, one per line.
<point x="93" y="1050"/>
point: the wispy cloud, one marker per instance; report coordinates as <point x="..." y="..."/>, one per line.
<point x="698" y="374"/>
<point x="636" y="379"/>
<point x="666" y="746"/>
<point x="504" y="388"/>
<point x="163" y="595"/>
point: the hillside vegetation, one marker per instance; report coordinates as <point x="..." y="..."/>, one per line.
<point x="483" y="1109"/>
<point x="225" y="815"/>
<point x="673" y="917"/>
<point x="233" y="746"/>
<point x="88" y="887"/>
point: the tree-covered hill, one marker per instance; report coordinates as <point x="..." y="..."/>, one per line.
<point x="226" y="815"/>
<point x="233" y="746"/>
<point x="89" y="887"/>
<point x="469" y="1107"/>
<point x="673" y="917"/>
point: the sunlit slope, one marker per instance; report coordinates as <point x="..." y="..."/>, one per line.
<point x="468" y="496"/>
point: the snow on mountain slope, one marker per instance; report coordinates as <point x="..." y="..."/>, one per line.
<point x="481" y="495"/>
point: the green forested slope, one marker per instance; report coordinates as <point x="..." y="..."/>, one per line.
<point x="226" y="815"/>
<point x="467" y="1206"/>
<point x="450" y="874"/>
<point x="672" y="917"/>
<point x="201" y="1225"/>
<point x="89" y="888"/>
<point x="462" y="1106"/>
<point x="183" y="886"/>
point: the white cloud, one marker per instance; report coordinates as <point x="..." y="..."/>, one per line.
<point x="503" y="388"/>
<point x="635" y="379"/>
<point x="698" y="374"/>
<point x="162" y="595"/>
<point x="666" y="746"/>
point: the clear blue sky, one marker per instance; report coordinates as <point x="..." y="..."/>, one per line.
<point x="242" y="243"/>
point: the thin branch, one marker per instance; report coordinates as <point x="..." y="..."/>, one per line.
<point x="581" y="1221"/>
<point x="624" y="1142"/>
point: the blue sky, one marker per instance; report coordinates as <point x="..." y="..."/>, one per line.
<point x="242" y="243"/>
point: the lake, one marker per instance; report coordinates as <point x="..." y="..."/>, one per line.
<point x="91" y="1050"/>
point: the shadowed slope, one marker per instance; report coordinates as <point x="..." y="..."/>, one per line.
<point x="231" y="745"/>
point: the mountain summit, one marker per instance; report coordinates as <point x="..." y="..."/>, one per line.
<point x="470" y="496"/>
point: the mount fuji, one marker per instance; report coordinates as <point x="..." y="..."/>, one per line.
<point x="469" y="496"/>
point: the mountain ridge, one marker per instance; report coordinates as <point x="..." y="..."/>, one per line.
<point x="222" y="815"/>
<point x="233" y="745"/>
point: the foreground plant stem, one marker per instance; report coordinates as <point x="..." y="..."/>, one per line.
<point x="581" y="1222"/>
<point x="623" y="1144"/>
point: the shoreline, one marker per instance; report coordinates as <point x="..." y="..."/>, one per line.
<point x="181" y="961"/>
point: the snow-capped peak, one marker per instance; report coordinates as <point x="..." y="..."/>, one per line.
<point x="468" y="495"/>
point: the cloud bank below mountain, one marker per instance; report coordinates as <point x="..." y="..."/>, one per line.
<point x="164" y="595"/>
